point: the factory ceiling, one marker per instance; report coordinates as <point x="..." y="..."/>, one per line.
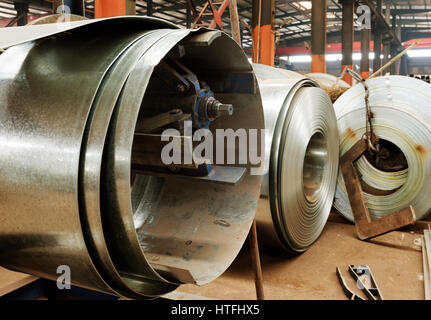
<point x="292" y="17"/>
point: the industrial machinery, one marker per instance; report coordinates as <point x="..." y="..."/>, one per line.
<point x="83" y="113"/>
<point x="301" y="159"/>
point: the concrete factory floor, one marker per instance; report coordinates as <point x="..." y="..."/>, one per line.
<point x="311" y="275"/>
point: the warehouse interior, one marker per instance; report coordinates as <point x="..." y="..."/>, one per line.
<point x="330" y="203"/>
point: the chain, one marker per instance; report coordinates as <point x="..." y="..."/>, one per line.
<point x="372" y="147"/>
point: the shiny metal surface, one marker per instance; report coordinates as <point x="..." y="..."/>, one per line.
<point x="43" y="121"/>
<point x="301" y="160"/>
<point x="316" y="157"/>
<point x="18" y="35"/>
<point x="103" y="108"/>
<point x="402" y="116"/>
<point x="70" y="103"/>
<point x="195" y="229"/>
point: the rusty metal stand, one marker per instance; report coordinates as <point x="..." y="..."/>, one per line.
<point x="255" y="259"/>
<point x="365" y="227"/>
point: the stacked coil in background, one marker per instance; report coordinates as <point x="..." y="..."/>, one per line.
<point x="301" y="160"/>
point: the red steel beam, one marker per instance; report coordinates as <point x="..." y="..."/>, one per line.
<point x="217" y="21"/>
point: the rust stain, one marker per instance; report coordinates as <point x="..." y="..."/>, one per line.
<point x="350" y="134"/>
<point x="421" y="150"/>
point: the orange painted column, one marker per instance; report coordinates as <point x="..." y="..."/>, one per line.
<point x="318" y="63"/>
<point x="365" y="74"/>
<point x="263" y="34"/>
<point x="347" y="77"/>
<point x="109" y="8"/>
<point x="265" y="52"/>
<point x="347" y="39"/>
<point x="318" y="36"/>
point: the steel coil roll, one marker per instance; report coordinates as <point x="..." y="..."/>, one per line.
<point x="71" y="105"/>
<point x="398" y="175"/>
<point x="301" y="160"/>
<point x="327" y="80"/>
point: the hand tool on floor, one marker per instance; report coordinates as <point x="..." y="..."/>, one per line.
<point x="365" y="281"/>
<point x="347" y="291"/>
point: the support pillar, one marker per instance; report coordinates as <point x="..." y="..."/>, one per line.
<point x="377" y="37"/>
<point x="396" y="66"/>
<point x="318" y="36"/>
<point x="404" y="68"/>
<point x="387" y="44"/>
<point x="347" y="39"/>
<point x="189" y="18"/>
<point x="263" y="12"/>
<point x="365" y="53"/>
<point x="21" y="12"/>
<point x="114" y="8"/>
<point x="377" y="50"/>
<point x="150" y="8"/>
<point x="386" y="52"/>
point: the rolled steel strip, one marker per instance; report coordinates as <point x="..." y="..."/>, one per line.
<point x="70" y="105"/>
<point x="198" y="227"/>
<point x="47" y="89"/>
<point x="94" y="141"/>
<point x="401" y="115"/>
<point x="301" y="160"/>
<point x="18" y="35"/>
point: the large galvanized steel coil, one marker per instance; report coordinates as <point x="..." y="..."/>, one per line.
<point x="399" y="175"/>
<point x="301" y="160"/>
<point x="69" y="104"/>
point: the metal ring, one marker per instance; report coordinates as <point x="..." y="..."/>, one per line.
<point x="301" y="160"/>
<point x="402" y="117"/>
